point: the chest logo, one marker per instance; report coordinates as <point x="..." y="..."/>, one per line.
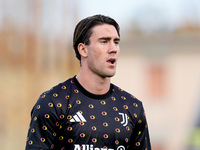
<point x="124" y="121"/>
<point x="78" y="117"/>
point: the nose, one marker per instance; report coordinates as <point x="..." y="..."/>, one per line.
<point x="114" y="48"/>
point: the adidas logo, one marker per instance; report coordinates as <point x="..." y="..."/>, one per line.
<point x="78" y="117"/>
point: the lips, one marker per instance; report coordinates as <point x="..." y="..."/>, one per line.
<point x="112" y="61"/>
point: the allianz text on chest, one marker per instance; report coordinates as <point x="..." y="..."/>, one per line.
<point x="91" y="147"/>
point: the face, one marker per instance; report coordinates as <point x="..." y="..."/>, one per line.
<point x="103" y="50"/>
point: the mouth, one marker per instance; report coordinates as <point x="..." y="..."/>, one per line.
<point x="112" y="61"/>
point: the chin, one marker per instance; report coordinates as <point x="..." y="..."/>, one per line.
<point x="105" y="74"/>
<point x="109" y="74"/>
<point x="112" y="73"/>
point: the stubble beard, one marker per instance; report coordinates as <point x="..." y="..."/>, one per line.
<point x="107" y="73"/>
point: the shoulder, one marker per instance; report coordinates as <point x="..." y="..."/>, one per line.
<point x="58" y="92"/>
<point x="133" y="105"/>
<point x="54" y="99"/>
<point x="59" y="89"/>
<point x="126" y="96"/>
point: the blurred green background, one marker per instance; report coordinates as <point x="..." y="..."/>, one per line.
<point x="159" y="62"/>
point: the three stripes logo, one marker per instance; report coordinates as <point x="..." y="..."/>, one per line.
<point x="78" y="117"/>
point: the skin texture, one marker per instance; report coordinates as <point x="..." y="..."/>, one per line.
<point x="99" y="59"/>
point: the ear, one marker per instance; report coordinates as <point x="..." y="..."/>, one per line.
<point x="83" y="51"/>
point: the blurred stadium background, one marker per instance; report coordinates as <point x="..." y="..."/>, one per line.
<point x="159" y="62"/>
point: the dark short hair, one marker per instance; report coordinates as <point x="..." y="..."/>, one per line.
<point x="83" y="30"/>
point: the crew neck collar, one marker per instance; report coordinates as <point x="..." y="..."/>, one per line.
<point x="91" y="95"/>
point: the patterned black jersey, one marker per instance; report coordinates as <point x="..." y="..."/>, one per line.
<point x="71" y="118"/>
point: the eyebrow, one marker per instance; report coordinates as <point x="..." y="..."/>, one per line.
<point x="109" y="38"/>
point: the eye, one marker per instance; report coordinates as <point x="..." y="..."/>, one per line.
<point x="116" y="43"/>
<point x="103" y="41"/>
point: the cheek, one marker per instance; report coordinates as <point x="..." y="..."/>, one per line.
<point x="95" y="56"/>
<point x="94" y="60"/>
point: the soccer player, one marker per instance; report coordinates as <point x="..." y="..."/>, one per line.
<point x="87" y="111"/>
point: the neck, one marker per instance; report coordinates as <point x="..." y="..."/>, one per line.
<point x="94" y="83"/>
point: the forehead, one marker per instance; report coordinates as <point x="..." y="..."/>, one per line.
<point x="104" y="30"/>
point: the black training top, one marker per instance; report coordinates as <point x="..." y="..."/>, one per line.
<point x="71" y="118"/>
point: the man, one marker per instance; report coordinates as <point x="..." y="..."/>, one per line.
<point x="87" y="112"/>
